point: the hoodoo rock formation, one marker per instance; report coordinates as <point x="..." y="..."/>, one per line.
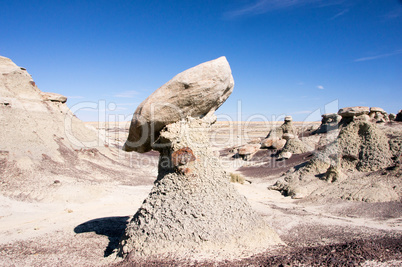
<point x="349" y="158"/>
<point x="192" y="207"/>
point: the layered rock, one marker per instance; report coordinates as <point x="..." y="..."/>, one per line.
<point x="196" y="92"/>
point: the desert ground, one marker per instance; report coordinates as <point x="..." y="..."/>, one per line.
<point x="319" y="193"/>
<point x="85" y="232"/>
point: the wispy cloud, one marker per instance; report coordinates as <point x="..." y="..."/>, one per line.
<point x="75" y="97"/>
<point x="343" y="12"/>
<point x="395" y="13"/>
<point x="264" y="6"/>
<point x="126" y="94"/>
<point x="397" y="52"/>
<point x="320" y="87"/>
<point x="301" y="112"/>
<point x="134" y="104"/>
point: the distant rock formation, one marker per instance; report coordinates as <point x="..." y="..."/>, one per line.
<point x="196" y="92"/>
<point x="359" y="145"/>
<point x="192" y="206"/>
<point x="285" y="128"/>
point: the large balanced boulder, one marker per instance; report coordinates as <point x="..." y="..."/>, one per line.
<point x="195" y="92"/>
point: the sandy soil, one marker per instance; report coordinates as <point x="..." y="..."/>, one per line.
<point x="85" y="234"/>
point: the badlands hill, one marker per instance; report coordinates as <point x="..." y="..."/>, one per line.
<point x="47" y="154"/>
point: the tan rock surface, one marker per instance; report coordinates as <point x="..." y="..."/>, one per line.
<point x="196" y="92"/>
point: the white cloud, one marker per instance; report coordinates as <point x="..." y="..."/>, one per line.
<point x="343" y="12"/>
<point x="127" y="94"/>
<point x="301" y="112"/>
<point x="75" y="97"/>
<point x="264" y="6"/>
<point x="320" y="87"/>
<point x="397" y="52"/>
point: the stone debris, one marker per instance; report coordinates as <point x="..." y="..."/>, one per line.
<point x="285" y="155"/>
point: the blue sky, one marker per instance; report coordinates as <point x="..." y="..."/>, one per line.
<point x="293" y="57"/>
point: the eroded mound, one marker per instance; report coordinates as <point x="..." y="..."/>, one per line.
<point x="193" y="209"/>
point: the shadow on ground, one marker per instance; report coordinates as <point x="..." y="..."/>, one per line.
<point x="112" y="227"/>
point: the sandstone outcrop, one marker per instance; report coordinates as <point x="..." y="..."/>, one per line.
<point x="196" y="92"/>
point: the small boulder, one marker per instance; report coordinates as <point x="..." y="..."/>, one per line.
<point x="267" y="142"/>
<point x="54" y="97"/>
<point x="279" y="144"/>
<point x="392" y="116"/>
<point x="286" y="155"/>
<point x="249" y="149"/>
